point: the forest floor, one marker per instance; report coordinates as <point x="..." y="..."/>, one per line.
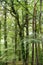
<point x="17" y="63"/>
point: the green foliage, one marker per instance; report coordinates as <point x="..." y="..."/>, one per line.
<point x="13" y="38"/>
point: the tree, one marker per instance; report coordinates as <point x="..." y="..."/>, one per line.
<point x="27" y="34"/>
<point x="0" y="38"/>
<point x="5" y="31"/>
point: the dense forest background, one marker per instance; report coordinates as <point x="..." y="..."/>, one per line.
<point x="21" y="32"/>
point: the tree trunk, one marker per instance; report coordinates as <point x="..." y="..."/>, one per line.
<point x="40" y="15"/>
<point x="22" y="44"/>
<point x="36" y="50"/>
<point x="0" y="38"/>
<point x="15" y="39"/>
<point x="27" y="35"/>
<point x="5" y="32"/>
